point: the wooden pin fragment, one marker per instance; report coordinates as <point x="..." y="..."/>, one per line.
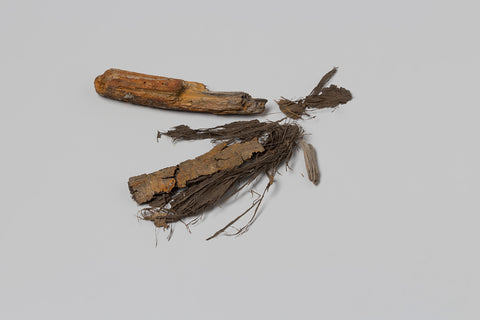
<point x="173" y="94"/>
<point x="311" y="163"/>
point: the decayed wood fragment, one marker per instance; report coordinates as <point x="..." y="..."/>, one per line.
<point x="174" y="94"/>
<point x="222" y="157"/>
<point x="311" y="163"/>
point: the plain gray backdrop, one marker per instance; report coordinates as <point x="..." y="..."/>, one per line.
<point x="391" y="232"/>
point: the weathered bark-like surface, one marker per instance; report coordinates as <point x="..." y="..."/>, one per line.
<point x="174" y="94"/>
<point x="222" y="157"/>
<point x="145" y="186"/>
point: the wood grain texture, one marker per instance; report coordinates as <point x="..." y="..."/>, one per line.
<point x="311" y="163"/>
<point x="222" y="157"/>
<point x="173" y="94"/>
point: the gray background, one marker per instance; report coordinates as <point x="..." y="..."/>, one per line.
<point x="391" y="232"/>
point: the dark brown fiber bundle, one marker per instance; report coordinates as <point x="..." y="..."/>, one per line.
<point x="320" y="97"/>
<point x="279" y="139"/>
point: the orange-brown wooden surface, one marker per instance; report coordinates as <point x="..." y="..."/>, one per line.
<point x="174" y="94"/>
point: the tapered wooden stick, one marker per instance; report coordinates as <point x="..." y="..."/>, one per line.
<point x="311" y="163"/>
<point x="174" y="94"/>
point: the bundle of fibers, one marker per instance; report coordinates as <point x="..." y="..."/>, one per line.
<point x="320" y="97"/>
<point x="279" y="140"/>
